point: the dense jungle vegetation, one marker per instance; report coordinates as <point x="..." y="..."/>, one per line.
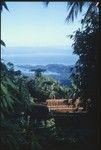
<point x="20" y="93"/>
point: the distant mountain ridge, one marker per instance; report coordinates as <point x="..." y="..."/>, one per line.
<point x="59" y="72"/>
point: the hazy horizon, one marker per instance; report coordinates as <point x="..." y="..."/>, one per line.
<point x="38" y="56"/>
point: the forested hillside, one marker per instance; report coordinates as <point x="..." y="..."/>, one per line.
<point x="59" y="72"/>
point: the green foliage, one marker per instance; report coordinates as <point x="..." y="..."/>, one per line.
<point x="7" y="89"/>
<point x="85" y="46"/>
<point x="43" y="87"/>
<point x="38" y="72"/>
<point x="11" y="135"/>
<point x="14" y="97"/>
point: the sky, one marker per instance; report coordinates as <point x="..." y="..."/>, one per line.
<point x="32" y="24"/>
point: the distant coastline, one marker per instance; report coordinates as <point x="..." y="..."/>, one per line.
<point x="56" y="61"/>
<point x="59" y="72"/>
<point x="38" y="56"/>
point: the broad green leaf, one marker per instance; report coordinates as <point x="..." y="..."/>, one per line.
<point x="3" y="89"/>
<point x="9" y="82"/>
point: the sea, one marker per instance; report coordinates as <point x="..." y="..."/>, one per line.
<point x="37" y="56"/>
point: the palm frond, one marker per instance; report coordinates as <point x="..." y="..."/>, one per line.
<point x="6" y="99"/>
<point x="11" y="84"/>
<point x="2" y="43"/>
<point x="73" y="8"/>
<point x="92" y="8"/>
<point x="3" y="4"/>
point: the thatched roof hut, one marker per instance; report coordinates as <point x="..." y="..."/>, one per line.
<point x="62" y="105"/>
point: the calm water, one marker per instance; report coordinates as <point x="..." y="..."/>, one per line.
<point x="37" y="56"/>
<point x="33" y="59"/>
